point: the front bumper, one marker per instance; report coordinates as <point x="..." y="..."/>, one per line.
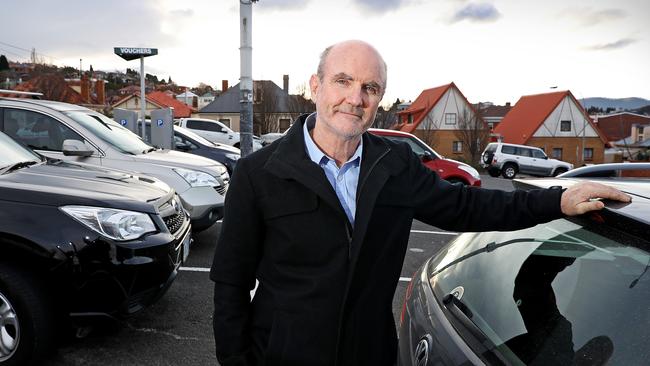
<point x="202" y="202"/>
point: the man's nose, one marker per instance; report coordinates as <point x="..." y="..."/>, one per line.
<point x="356" y="96"/>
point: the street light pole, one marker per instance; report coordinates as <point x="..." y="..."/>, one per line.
<point x="246" y="79"/>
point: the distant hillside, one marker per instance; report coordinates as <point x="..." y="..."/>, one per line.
<point x="622" y="103"/>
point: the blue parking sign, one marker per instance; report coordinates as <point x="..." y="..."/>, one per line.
<point x="159" y="122"/>
<point x="123" y="122"/>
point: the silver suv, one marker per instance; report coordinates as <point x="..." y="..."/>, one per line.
<point x="74" y="133"/>
<point x="509" y="159"/>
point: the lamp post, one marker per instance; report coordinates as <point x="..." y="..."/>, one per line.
<point x="246" y="78"/>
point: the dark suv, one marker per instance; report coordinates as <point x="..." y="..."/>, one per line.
<point x="78" y="241"/>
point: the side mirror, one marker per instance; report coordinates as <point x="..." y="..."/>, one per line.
<point x="76" y="148"/>
<point x="183" y="147"/>
<point x="426" y="156"/>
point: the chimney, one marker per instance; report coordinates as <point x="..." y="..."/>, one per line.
<point x="285" y="83"/>
<point x="100" y="91"/>
<point x="507" y="104"/>
<point x="224" y="85"/>
<point x="85" y="88"/>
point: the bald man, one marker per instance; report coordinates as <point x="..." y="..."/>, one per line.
<point x="321" y="218"/>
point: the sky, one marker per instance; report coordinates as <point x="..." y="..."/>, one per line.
<point x="493" y="51"/>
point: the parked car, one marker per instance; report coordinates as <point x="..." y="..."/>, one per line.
<point x="216" y="132"/>
<point x="79" y="241"/>
<point x="74" y="133"/>
<point x="510" y="159"/>
<point x="610" y="170"/>
<point x="574" y="291"/>
<point x="448" y="169"/>
<point x="269" y="138"/>
<point x="189" y="142"/>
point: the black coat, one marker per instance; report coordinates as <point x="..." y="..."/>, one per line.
<point x="325" y="291"/>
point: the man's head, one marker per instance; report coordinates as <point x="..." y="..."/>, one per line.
<point x="347" y="89"/>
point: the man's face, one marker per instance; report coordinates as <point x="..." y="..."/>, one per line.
<point x="349" y="93"/>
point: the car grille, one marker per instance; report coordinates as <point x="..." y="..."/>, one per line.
<point x="173" y="214"/>
<point x="174" y="222"/>
<point x="222" y="189"/>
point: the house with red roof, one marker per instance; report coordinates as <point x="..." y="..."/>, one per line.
<point x="156" y="100"/>
<point x="442" y="118"/>
<point x="558" y="124"/>
<point x="618" y="126"/>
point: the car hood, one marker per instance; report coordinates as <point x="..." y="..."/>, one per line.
<point x="176" y="159"/>
<point x="61" y="183"/>
<point x="227" y="148"/>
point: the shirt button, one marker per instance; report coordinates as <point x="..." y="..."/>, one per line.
<point x="340" y="178"/>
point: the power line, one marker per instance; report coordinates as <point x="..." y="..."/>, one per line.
<point x="30" y="51"/>
<point x="10" y="52"/>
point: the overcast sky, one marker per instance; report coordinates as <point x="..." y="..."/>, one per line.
<point x="493" y="50"/>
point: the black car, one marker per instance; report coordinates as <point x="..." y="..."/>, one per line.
<point x="188" y="141"/>
<point x="574" y="291"/>
<point x="77" y="242"/>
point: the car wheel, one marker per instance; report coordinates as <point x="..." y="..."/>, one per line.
<point x="487" y="157"/>
<point x="509" y="171"/>
<point x="26" y="317"/>
<point x="494" y="173"/>
<point x="559" y="171"/>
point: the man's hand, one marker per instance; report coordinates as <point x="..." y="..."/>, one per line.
<point x="583" y="197"/>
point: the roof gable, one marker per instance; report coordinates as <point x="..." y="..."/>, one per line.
<point x="422" y="105"/>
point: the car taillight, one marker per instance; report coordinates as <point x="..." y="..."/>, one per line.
<point x="494" y="160"/>
<point x="407" y="296"/>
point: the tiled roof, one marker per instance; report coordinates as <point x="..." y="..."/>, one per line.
<point x="228" y="101"/>
<point x="619" y="125"/>
<point x="422" y="105"/>
<point x="495" y="111"/>
<point x="530" y="112"/>
<point x="181" y="109"/>
<point x="54" y="87"/>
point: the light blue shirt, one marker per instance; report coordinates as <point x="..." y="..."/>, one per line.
<point x="345" y="179"/>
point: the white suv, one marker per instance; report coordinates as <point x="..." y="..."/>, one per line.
<point x="216" y="132"/>
<point x="510" y="159"/>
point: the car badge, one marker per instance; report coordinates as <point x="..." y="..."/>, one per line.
<point x="458" y="292"/>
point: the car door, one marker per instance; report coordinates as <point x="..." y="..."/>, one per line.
<point x="540" y="162"/>
<point x="44" y="134"/>
<point x="525" y="159"/>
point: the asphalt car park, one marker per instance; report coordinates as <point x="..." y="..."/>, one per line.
<point x="177" y="330"/>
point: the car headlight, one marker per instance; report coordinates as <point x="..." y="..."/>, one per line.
<point x="471" y="171"/>
<point x="196" y="178"/>
<point x="233" y="156"/>
<point x="116" y="224"/>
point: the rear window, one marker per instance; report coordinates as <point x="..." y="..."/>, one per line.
<point x="507" y="149"/>
<point x="560" y="293"/>
<point x="491" y="148"/>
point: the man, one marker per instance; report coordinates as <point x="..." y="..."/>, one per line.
<point x="321" y="218"/>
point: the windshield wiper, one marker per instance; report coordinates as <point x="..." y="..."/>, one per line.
<point x="18" y="165"/>
<point x="149" y="150"/>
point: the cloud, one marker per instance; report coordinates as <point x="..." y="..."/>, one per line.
<point x="75" y="29"/>
<point x="270" y="5"/>
<point x="380" y="6"/>
<point x="481" y="12"/>
<point x="621" y="43"/>
<point x="589" y="16"/>
<point x="182" y="12"/>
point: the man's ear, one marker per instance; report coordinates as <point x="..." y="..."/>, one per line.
<point x="314" y="84"/>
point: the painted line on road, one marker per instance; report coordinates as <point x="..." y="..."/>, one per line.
<point x="405" y="279"/>
<point x="433" y="232"/>
<point x="194" y="269"/>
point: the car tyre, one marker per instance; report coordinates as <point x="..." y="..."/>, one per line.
<point x="559" y="171"/>
<point x="487" y="157"/>
<point x="26" y="317"/>
<point x="509" y="171"/>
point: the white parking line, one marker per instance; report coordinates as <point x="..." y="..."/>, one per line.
<point x="433" y="232"/>
<point x="194" y="269"/>
<point x="405" y="279"/>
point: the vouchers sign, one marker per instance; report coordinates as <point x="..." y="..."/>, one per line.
<point x="131" y="53"/>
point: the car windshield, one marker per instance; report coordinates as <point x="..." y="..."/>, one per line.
<point x="193" y="136"/>
<point x="558" y="293"/>
<point x="110" y="132"/>
<point x="418" y="147"/>
<point x="12" y="152"/>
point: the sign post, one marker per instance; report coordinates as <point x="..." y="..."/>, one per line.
<point x="132" y="53"/>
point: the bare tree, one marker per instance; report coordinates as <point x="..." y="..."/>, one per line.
<point x="473" y="133"/>
<point x="272" y="105"/>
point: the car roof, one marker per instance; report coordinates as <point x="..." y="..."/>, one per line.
<point x="639" y="189"/>
<point x="59" y="106"/>
<point x="381" y="131"/>
<point x="608" y="170"/>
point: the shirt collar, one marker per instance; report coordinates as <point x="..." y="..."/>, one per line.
<point x="316" y="154"/>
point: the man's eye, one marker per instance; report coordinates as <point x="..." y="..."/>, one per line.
<point x="342" y="82"/>
<point x="372" y="90"/>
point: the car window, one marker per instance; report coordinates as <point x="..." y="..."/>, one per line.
<point x="507" y="149"/>
<point x="417" y="148"/>
<point x="203" y="125"/>
<point x="542" y="295"/>
<point x="36" y="130"/>
<point x="11" y="152"/>
<point x="522" y="151"/>
<point x="491" y="148"/>
<point x="539" y="154"/>
<point x="180" y="131"/>
<point x="110" y="132"/>
<point x="180" y="140"/>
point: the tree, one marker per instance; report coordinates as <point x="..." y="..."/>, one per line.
<point x="473" y="133"/>
<point x="386" y="118"/>
<point x="4" y="63"/>
<point x="272" y="104"/>
<point x="202" y="89"/>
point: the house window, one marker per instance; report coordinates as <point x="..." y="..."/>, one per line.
<point x="565" y="126"/>
<point x="557" y="153"/>
<point x="457" y="147"/>
<point x="450" y="118"/>
<point x="410" y="118"/>
<point x="588" y="153"/>
<point x="284" y="124"/>
<point x="225" y="121"/>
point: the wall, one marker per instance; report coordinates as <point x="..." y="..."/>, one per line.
<point x="571" y="148"/>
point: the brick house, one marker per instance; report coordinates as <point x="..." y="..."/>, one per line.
<point x="156" y="100"/>
<point x="558" y="124"/>
<point x="439" y="116"/>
